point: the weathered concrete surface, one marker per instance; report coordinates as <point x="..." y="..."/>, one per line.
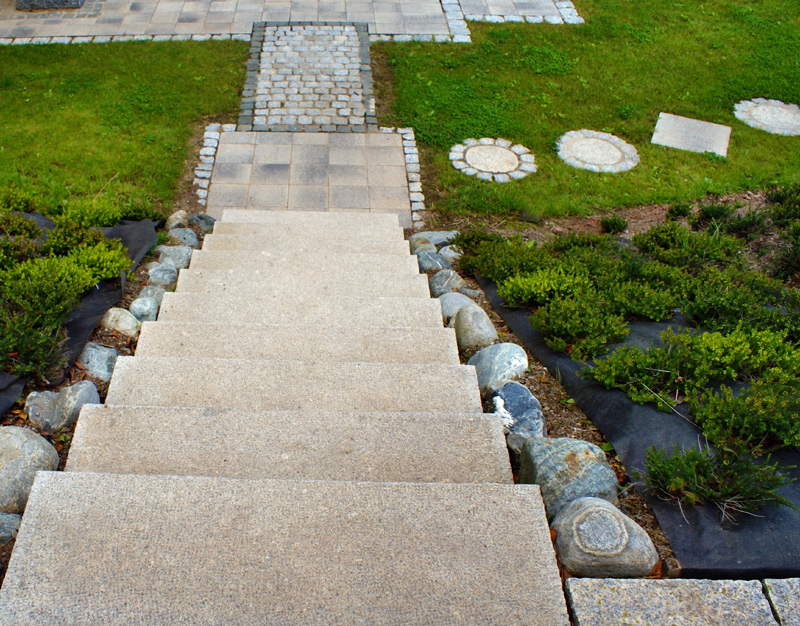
<point x="303" y="309"/>
<point x="330" y="218"/>
<point x="299" y="343"/>
<point x="335" y="264"/>
<point x="355" y="231"/>
<point x="613" y="602"/>
<point x="279" y="282"/>
<point x="188" y="550"/>
<point x="304" y="445"/>
<point x="290" y="385"/>
<point x="785" y="597"/>
<point x="320" y="244"/>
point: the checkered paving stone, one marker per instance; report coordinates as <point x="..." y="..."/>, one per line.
<point x="533" y="11"/>
<point x="310" y="171"/>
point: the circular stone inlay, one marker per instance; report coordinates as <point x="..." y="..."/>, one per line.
<point x="772" y="116"/>
<point x="597" y="152"/>
<point x="492" y="159"/>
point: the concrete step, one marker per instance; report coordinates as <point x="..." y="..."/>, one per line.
<point x="315" y="445"/>
<point x="311" y="218"/>
<point x="353" y="230"/>
<point x="292" y="342"/>
<point x="126" y="550"/>
<point x="256" y="282"/>
<point x="293" y="385"/>
<point x="302" y="309"/>
<point x="334" y="264"/>
<point x="316" y="245"/>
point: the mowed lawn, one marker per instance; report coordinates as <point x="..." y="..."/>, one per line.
<point x="632" y="59"/>
<point x="74" y="117"/>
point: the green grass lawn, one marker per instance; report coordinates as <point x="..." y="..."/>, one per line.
<point x="72" y="117"/>
<point x="532" y="83"/>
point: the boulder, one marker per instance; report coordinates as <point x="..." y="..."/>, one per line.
<point x="180" y="255"/>
<point x="179" y="219"/>
<point x="438" y="238"/>
<point x="205" y="222"/>
<point x="421" y="244"/>
<point x="473" y="328"/>
<point x="70" y="401"/>
<point x="497" y="364"/>
<point x="164" y="274"/>
<point x="451" y="303"/>
<point x="22" y="454"/>
<point x="566" y="469"/>
<point x="144" y="309"/>
<point x="431" y="262"/>
<point x="445" y="281"/>
<point x="471" y="293"/>
<point x="9" y="526"/>
<point x="185" y="236"/>
<point x="121" y="321"/>
<point x="156" y="292"/>
<point x="40" y="407"/>
<point x="520" y="413"/>
<point x="98" y="360"/>
<point x="451" y="253"/>
<point x="595" y="539"/>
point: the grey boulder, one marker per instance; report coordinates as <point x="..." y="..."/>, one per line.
<point x="445" y="281"/>
<point x="9" y="526"/>
<point x="451" y="253"/>
<point x="98" y="360"/>
<point x="186" y="236"/>
<point x="566" y="469"/>
<point x="179" y="219"/>
<point x="421" y="244"/>
<point x="153" y="291"/>
<point x="430" y="262"/>
<point x="144" y="309"/>
<point x="40" y="407"/>
<point x="520" y="413"/>
<point x="438" y="238"/>
<point x="180" y="255"/>
<point x="164" y="274"/>
<point x="205" y="222"/>
<point x="451" y="303"/>
<point x="497" y="364"/>
<point x="473" y="328"/>
<point x="121" y="321"/>
<point x="23" y="453"/>
<point x="595" y="539"/>
<point x="70" y="401"/>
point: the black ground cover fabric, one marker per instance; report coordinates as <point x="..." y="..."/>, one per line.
<point x="138" y="238"/>
<point x="755" y="547"/>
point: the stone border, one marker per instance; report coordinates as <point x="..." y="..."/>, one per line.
<point x="525" y="165"/>
<point x="251" y="84"/>
<point x="108" y="38"/>
<point x="567" y="11"/>
<point x="208" y="154"/>
<point x="743" y="111"/>
<point x="630" y="157"/>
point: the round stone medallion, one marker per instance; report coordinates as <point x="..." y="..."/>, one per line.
<point x="597" y="152"/>
<point x="772" y="116"/>
<point x="492" y="159"/>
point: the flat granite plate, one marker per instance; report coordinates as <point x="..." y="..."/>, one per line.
<point x="685" y="133"/>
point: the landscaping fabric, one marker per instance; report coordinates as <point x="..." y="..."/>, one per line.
<point x="766" y="546"/>
<point x="138" y="238"/>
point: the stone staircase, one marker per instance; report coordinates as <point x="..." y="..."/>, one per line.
<point x="295" y="442"/>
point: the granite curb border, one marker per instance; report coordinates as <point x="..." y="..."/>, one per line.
<point x="568" y="14"/>
<point x="115" y="38"/>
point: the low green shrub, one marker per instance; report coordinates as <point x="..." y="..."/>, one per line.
<point x="638" y="300"/>
<point x="499" y="260"/>
<point x="747" y="226"/>
<point x="26" y="347"/>
<point x="16" y="199"/>
<point x="613" y="224"/>
<point x="104" y="260"/>
<point x="571" y="241"/>
<point x="16" y="225"/>
<point x="676" y="211"/>
<point x="676" y="245"/>
<point x="61" y="240"/>
<point x="87" y="213"/>
<point x="713" y="213"/>
<point x="542" y="286"/>
<point x="15" y="250"/>
<point x="785" y="207"/>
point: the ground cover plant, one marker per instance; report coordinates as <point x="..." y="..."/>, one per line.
<point x="630" y="61"/>
<point x="736" y="367"/>
<point x="91" y="135"/>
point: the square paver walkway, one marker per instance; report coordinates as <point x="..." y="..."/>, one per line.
<point x="310" y="171"/>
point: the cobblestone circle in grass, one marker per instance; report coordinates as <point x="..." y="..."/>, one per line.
<point x="597" y="152"/>
<point x="772" y="116"/>
<point x="492" y="159"/>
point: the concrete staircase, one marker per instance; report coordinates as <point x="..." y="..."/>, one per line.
<point x="295" y="442"/>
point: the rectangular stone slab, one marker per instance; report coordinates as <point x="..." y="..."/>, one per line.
<point x="293" y="385"/>
<point x="299" y="343"/>
<point x="340" y="245"/>
<point x="126" y="550"/>
<point x="304" y="308"/>
<point x="313" y="445"/>
<point x="286" y="282"/>
<point x="685" y="133"/>
<point x="784" y="594"/>
<point x="254" y="216"/>
<point x="329" y="230"/>
<point x="334" y="264"/>
<point x="611" y="602"/>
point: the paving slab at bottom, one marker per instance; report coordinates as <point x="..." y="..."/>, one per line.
<point x="322" y="445"/>
<point x="333" y="244"/>
<point x="125" y="550"/>
<point x="785" y="597"/>
<point x="254" y="216"/>
<point x="314" y="229"/>
<point x="330" y="263"/>
<point x="616" y="602"/>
